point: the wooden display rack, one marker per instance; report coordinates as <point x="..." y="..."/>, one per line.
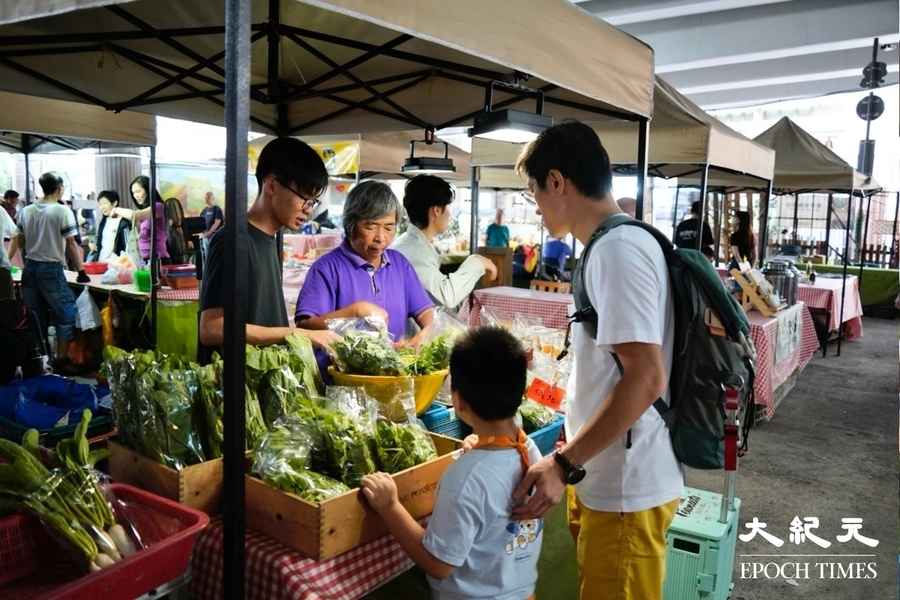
<point x="750" y="296"/>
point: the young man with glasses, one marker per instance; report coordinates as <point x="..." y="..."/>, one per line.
<point x="291" y="177"/>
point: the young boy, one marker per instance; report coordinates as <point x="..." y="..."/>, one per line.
<point x="472" y="547"/>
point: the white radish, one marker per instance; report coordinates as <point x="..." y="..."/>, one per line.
<point x="105" y="544"/>
<point x="121" y="540"/>
<point x="103" y="561"/>
<point x="94" y="567"/>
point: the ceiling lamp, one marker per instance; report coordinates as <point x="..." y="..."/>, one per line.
<point x="508" y="125"/>
<point x="421" y="165"/>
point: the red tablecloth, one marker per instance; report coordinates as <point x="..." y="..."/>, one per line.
<point x="274" y="572"/>
<point x="771" y="373"/>
<point x="543" y="308"/>
<point x="825" y="294"/>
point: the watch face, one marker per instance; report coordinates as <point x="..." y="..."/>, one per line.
<point x="575" y="475"/>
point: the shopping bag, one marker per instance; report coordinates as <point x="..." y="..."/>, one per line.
<point x="87" y="316"/>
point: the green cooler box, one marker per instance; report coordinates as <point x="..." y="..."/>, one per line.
<point x="700" y="548"/>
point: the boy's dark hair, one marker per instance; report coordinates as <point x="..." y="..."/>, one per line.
<point x="293" y="163"/>
<point x="111" y="195"/>
<point x="10" y="194"/>
<point x="488" y="369"/>
<point x="421" y="193"/>
<point x="575" y="151"/>
<point x="697" y="207"/>
<point x="50" y="183"/>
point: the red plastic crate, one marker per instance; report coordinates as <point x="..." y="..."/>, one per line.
<point x="30" y="571"/>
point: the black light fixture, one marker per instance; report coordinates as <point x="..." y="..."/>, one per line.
<point x="420" y="165"/>
<point x="509" y="125"/>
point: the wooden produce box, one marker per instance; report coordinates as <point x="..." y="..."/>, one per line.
<point x="322" y="531"/>
<point x="197" y="486"/>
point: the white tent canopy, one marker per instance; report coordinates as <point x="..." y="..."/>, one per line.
<point x="682" y="137"/>
<point x="422" y="63"/>
<point x="57" y="124"/>
<point x="804" y="164"/>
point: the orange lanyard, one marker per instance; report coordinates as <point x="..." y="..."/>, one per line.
<point x="503" y="441"/>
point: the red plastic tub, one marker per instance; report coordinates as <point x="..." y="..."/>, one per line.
<point x="30" y="567"/>
<point x="95" y="268"/>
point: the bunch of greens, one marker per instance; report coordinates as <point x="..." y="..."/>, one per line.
<point x="284" y="377"/>
<point x="67" y="499"/>
<point x="367" y="354"/>
<point x="399" y="446"/>
<point x="209" y="408"/>
<point x="347" y="447"/>
<point x="431" y="357"/>
<point x="535" y="415"/>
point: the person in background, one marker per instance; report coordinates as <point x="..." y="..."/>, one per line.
<point x="213" y="218"/>
<point x="427" y="201"/>
<point x="624" y="481"/>
<point x="628" y="205"/>
<point x="687" y="231"/>
<point x="112" y="232"/>
<point x="497" y="232"/>
<point x="556" y="253"/>
<point x="291" y="177"/>
<point x="8" y="231"/>
<point x="742" y="242"/>
<point x="10" y="203"/>
<point x="175" y="242"/>
<point x="472" y="546"/>
<point x="140" y="194"/>
<point x="47" y="233"/>
<point x="363" y="277"/>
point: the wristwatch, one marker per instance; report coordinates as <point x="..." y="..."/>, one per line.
<point x="572" y="473"/>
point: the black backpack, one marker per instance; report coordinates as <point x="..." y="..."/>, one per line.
<point x="704" y="362"/>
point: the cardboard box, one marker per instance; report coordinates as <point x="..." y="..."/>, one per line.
<point x="197" y="486"/>
<point x="325" y="530"/>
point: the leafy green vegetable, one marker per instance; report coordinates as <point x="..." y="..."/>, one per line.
<point x="431" y="357"/>
<point x="347" y="448"/>
<point x="366" y="354"/>
<point x="309" y="485"/>
<point x="400" y="446"/>
<point x="535" y="415"/>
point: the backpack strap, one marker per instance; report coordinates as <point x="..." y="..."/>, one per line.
<point x="664" y="410"/>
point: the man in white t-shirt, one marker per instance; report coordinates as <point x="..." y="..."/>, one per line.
<point x="624" y="480"/>
<point x="7" y="232"/>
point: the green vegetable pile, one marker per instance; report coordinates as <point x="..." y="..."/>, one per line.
<point x="367" y="354"/>
<point x="399" y="446"/>
<point x="535" y="416"/>
<point x="171" y="410"/>
<point x="66" y="496"/>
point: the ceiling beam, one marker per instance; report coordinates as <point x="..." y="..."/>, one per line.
<point x="660" y="11"/>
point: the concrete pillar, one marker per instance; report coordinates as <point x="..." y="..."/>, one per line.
<point x="116" y="172"/>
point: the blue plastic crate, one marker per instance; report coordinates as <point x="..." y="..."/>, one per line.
<point x="546" y="437"/>
<point x="435" y="416"/>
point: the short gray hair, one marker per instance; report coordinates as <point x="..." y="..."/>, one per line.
<point x="368" y="201"/>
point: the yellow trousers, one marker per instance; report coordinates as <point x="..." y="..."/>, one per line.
<point x="621" y="556"/>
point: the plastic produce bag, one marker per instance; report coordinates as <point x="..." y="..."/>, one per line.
<point x="399" y="446"/>
<point x="535" y="416"/>
<point x="110" y="276"/>
<point x="87" y="316"/>
<point x="347" y="447"/>
<point x="353" y="402"/>
<point x="365" y="353"/>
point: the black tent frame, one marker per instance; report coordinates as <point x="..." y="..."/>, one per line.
<point x="230" y="87"/>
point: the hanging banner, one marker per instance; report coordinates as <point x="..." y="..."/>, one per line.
<point x="340" y="158"/>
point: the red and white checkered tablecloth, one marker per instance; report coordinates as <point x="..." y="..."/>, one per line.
<point x="275" y="572"/>
<point x="825" y="294"/>
<point x="544" y="308"/>
<point x="770" y="375"/>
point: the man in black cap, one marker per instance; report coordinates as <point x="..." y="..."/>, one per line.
<point x="687" y="231"/>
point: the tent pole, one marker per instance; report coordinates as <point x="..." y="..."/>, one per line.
<point x="796" y="236"/>
<point x="643" y="134"/>
<point x="704" y="176"/>
<point x="154" y="251"/>
<point x="764" y="226"/>
<point x="844" y="280"/>
<point x="237" y="115"/>
<point x="717" y="212"/>
<point x="473" y="223"/>
<point x="27" y="180"/>
<point x="894" y="234"/>
<point x="675" y="211"/>
<point x="862" y="243"/>
<point x="828" y="227"/>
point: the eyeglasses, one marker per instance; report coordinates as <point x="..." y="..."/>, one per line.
<point x="308" y="203"/>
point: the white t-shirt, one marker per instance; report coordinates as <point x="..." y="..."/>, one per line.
<point x="628" y="284"/>
<point x="7" y="231"/>
<point x="470" y="528"/>
<point x="46" y="226"/>
<point x="108" y="243"/>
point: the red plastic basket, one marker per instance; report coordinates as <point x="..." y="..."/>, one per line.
<point x="29" y="571"/>
<point x="95" y="268"/>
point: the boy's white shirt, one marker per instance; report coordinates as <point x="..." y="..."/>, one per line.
<point x="627" y="281"/>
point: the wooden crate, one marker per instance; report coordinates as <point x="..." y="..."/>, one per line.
<point x="197" y="486"/>
<point x="325" y="530"/>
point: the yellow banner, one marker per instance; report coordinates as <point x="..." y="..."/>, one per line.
<point x="340" y="158"/>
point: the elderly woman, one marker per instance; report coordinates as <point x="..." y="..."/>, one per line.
<point x="362" y="277"/>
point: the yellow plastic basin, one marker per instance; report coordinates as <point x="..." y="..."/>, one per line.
<point x="384" y="388"/>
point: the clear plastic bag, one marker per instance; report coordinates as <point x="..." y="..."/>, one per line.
<point x="353" y="402"/>
<point x="399" y="446"/>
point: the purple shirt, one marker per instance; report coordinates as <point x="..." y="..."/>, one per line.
<point x="161" y="228"/>
<point x="343" y="277"/>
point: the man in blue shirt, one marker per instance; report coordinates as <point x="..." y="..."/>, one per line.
<point x="556" y="253"/>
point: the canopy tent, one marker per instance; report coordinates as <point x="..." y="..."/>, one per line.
<point x="398" y="65"/>
<point x="30" y="124"/>
<point x="687" y="143"/>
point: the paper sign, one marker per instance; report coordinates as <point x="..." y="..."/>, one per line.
<point x="545" y="393"/>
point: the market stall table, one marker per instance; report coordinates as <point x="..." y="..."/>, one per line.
<point x="300" y="245"/>
<point x="879" y="286"/>
<point x="543" y="308"/>
<point x="275" y="572"/>
<point x="784" y="346"/>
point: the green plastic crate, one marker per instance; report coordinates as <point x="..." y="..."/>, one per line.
<point x="700" y="550"/>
